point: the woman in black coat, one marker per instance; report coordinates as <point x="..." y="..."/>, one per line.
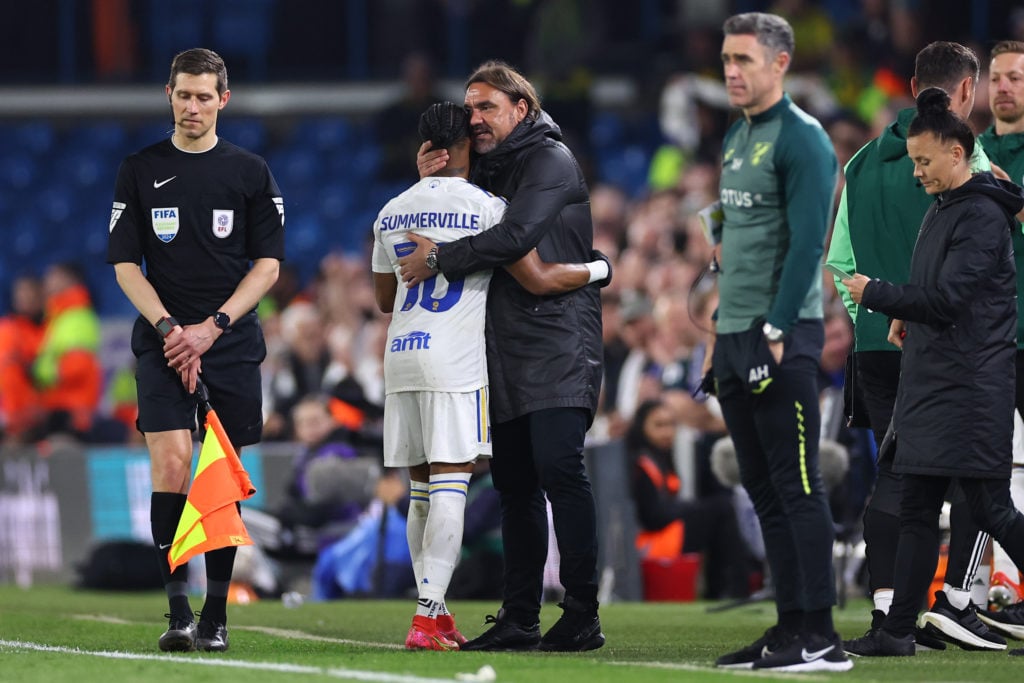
<point x="956" y="322"/>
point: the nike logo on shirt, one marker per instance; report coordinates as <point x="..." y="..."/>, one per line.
<point x="164" y="546"/>
<point x="158" y="184"/>
<point x="818" y="654"/>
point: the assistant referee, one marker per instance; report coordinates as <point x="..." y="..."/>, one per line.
<point x="207" y="218"/>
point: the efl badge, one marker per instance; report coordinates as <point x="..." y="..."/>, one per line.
<point x="223" y="222"/>
<point x="165" y="223"/>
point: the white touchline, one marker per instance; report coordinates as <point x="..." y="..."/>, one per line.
<point x="336" y="672"/>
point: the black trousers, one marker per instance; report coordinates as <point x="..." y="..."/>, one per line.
<point x="775" y="428"/>
<point x="878" y="377"/>
<point x="542" y="452"/>
<point x="991" y="508"/>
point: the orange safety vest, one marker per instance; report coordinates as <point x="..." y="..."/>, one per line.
<point x="19" y="401"/>
<point x="665" y="543"/>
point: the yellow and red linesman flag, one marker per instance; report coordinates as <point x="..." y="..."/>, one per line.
<point x="211" y="519"/>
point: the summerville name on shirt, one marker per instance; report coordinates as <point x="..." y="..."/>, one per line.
<point x="431" y="219"/>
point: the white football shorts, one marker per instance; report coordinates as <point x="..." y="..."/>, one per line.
<point x="436" y="426"/>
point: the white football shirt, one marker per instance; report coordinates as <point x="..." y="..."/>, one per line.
<point x="436" y="337"/>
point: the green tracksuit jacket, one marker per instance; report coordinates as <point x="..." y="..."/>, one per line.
<point x="778" y="177"/>
<point x="1007" y="152"/>
<point x="879" y="216"/>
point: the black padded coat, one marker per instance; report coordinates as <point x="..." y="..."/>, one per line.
<point x="542" y="351"/>
<point x="954" y="407"/>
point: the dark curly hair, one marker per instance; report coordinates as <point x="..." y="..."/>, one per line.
<point x="444" y="124"/>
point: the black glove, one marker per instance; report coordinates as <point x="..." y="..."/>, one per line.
<point x="707" y="384"/>
<point x="597" y="255"/>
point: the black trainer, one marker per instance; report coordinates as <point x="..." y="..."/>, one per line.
<point x="808" y="653"/>
<point x="922" y="638"/>
<point x="773" y="640"/>
<point x="577" y="630"/>
<point x="211" y="636"/>
<point x="505" y="635"/>
<point x="959" y="626"/>
<point x="880" y="643"/>
<point x="180" y="635"/>
<point x="1008" y="621"/>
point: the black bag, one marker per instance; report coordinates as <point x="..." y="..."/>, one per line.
<point x="121" y="565"/>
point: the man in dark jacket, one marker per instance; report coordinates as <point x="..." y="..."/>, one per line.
<point x="543" y="354"/>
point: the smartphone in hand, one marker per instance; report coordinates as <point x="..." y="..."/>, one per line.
<point x="838" y="272"/>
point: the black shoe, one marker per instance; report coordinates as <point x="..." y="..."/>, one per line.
<point x="1008" y="621"/>
<point x="505" y="635"/>
<point x="880" y="643"/>
<point x="211" y="636"/>
<point x="959" y="626"/>
<point x="577" y="630"/>
<point x="180" y="635"/>
<point x="808" y="653"/>
<point x="773" y="640"/>
<point x="1019" y="652"/>
<point x="928" y="638"/>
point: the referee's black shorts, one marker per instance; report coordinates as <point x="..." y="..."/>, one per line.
<point x="230" y="370"/>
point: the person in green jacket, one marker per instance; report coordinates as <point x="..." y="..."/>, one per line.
<point x="876" y="227"/>
<point x="1004" y="143"/>
<point x="777" y="182"/>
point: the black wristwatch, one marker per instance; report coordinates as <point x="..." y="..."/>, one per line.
<point x="222" y="320"/>
<point x="165" y="325"/>
<point x="432" y="259"/>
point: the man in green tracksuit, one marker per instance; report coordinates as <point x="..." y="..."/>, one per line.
<point x="876" y="227"/>
<point x="778" y="178"/>
<point x="1004" y="143"/>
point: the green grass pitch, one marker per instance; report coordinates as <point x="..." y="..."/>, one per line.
<point x="57" y="634"/>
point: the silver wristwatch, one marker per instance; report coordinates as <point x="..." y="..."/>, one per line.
<point x="772" y="333"/>
<point x="432" y="259"/>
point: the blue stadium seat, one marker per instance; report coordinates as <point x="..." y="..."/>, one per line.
<point x="295" y="166"/>
<point x="241" y="28"/>
<point x="606" y="130"/>
<point x="54" y="205"/>
<point x="18" y="171"/>
<point x="323" y="134"/>
<point x="90" y="169"/>
<point x="625" y="167"/>
<point x="36" y="137"/>
<point x="149" y="133"/>
<point x="104" y="137"/>
<point x="247" y="132"/>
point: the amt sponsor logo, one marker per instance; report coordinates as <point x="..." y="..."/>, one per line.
<point x="414" y="341"/>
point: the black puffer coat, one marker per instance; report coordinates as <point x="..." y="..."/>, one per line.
<point x="954" y="409"/>
<point x="542" y="352"/>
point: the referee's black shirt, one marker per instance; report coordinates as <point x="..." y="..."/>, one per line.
<point x="197" y="219"/>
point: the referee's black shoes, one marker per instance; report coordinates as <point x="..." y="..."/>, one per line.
<point x="180" y="635"/>
<point x="505" y="635"/>
<point x="211" y="636"/>
<point x="577" y="630"/>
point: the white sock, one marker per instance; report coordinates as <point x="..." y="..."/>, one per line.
<point x="958" y="598"/>
<point x="883" y="599"/>
<point x="419" y="507"/>
<point x="442" y="536"/>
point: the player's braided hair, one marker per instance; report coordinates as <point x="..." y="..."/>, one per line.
<point x="444" y="124"/>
